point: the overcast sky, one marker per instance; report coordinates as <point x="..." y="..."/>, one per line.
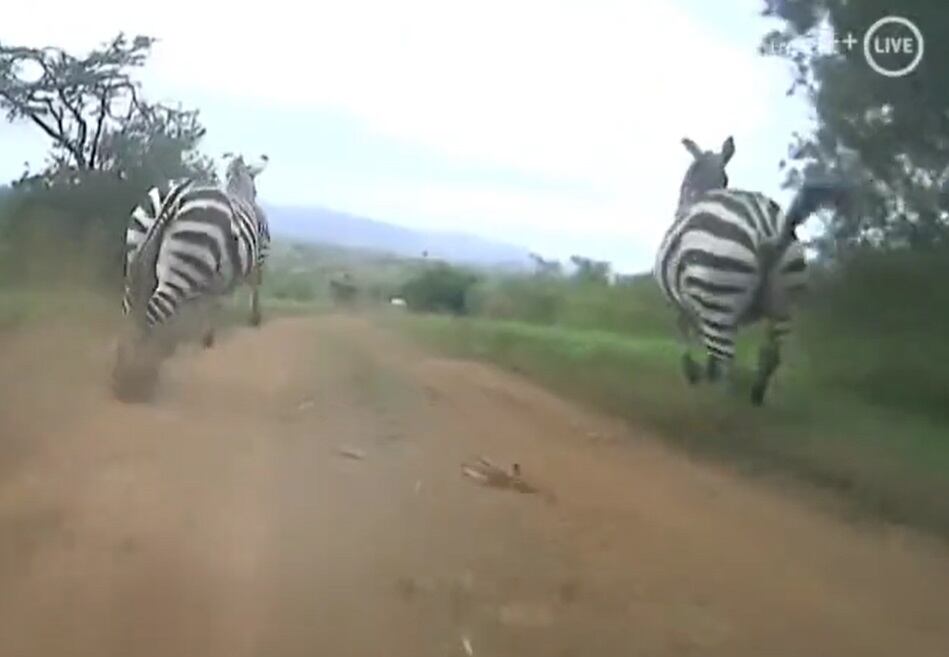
<point x="555" y="124"/>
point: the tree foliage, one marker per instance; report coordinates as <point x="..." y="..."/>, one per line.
<point x="108" y="146"/>
<point x="439" y="288"/>
<point x="890" y="135"/>
<point x="93" y="111"/>
<point x="588" y="270"/>
<point x="546" y="267"/>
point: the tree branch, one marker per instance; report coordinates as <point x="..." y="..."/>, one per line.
<point x="45" y="128"/>
<point x="79" y="103"/>
<point x="79" y="146"/>
<point x="103" y="111"/>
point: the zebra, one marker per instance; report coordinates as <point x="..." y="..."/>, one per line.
<point x="731" y="258"/>
<point x="188" y="245"/>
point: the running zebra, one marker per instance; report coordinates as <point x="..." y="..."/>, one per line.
<point x="732" y="258"/>
<point x="188" y="246"/>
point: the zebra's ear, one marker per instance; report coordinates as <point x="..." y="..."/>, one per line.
<point x="728" y="149"/>
<point x="256" y="169"/>
<point x="692" y="147"/>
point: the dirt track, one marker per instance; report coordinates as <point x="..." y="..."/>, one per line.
<point x="223" y="521"/>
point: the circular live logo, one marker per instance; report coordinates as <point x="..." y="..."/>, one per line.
<point x="893" y="46"/>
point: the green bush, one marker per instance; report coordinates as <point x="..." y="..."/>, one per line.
<point x="528" y="299"/>
<point x="290" y="287"/>
<point x="634" y="308"/>
<point x="71" y="229"/>
<point x="878" y="326"/>
<point x="440" y="288"/>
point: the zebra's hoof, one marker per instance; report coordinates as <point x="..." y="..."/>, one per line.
<point x="208" y="340"/>
<point x="255" y="320"/>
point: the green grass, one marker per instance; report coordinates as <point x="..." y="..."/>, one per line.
<point x="890" y="463"/>
<point x="22" y="307"/>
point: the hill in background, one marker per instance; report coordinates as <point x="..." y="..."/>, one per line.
<point x="321" y="225"/>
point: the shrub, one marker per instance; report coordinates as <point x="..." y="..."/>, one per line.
<point x="877" y="325"/>
<point x="439" y="288"/>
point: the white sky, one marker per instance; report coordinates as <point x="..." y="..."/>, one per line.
<point x="567" y="116"/>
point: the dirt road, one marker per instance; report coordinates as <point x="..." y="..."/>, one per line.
<point x="298" y="491"/>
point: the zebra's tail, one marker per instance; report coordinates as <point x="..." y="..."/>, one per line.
<point x="812" y="197"/>
<point x="141" y="276"/>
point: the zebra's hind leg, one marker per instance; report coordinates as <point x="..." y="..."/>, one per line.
<point x="210" y="312"/>
<point x="769" y="357"/>
<point x="255" y="315"/>
<point x="719" y="340"/>
<point x="691" y="369"/>
<point x="713" y="368"/>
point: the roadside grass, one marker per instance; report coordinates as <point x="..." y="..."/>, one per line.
<point x="23" y="307"/>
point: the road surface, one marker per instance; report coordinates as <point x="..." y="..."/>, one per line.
<point x="298" y="490"/>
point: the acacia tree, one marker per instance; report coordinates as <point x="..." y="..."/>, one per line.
<point x="108" y="146"/>
<point x="92" y="109"/>
<point x="545" y="267"/>
<point x="890" y="134"/>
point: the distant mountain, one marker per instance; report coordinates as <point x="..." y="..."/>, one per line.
<point x="321" y="225"/>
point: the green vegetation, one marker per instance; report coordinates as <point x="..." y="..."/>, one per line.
<point x="889" y="135"/>
<point x="108" y="145"/>
<point x="635" y="305"/>
<point x="45" y="304"/>
<point x="439" y="288"/>
<point x="878" y="327"/>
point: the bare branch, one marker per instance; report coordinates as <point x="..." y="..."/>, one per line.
<point x="100" y="122"/>
<point x="45" y="128"/>
<point x="92" y="110"/>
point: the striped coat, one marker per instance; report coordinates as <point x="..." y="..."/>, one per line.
<point x="189" y="245"/>
<point x="730" y="259"/>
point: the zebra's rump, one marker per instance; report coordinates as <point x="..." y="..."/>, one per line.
<point x="714" y="263"/>
<point x="208" y="243"/>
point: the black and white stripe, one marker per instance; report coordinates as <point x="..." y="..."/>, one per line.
<point x="194" y="243"/>
<point x="731" y="258"/>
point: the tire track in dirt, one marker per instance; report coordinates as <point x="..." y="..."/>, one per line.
<point x="222" y="519"/>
